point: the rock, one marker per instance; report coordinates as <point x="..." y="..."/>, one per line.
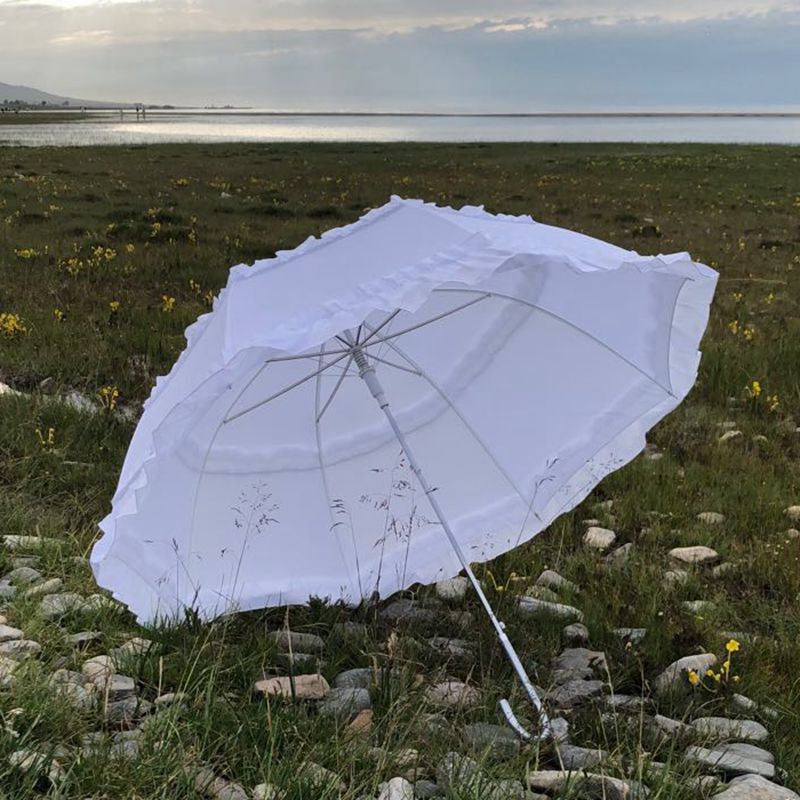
<point x="397" y="789"/>
<point x="592" y="786"/>
<point x="559" y="729"/>
<point x="84" y="637"/>
<point x="542" y="593"/>
<point x="321" y="778"/>
<point x="698" y="607"/>
<point x="671" y="727"/>
<point x="578" y="663"/>
<point x="50" y="586"/>
<point x="425" y="789"/>
<point x="576" y="758"/>
<point x="792" y="533"/>
<point x="632" y="635"/>
<point x="599" y="538"/>
<point x="33" y="761"/>
<point x="306" y="687"/>
<point x="454" y="589"/>
<point x="98" y="603"/>
<point x="266" y="791"/>
<point x="291" y="641"/>
<point x="55" y="606"/>
<point x="674" y="676"/>
<point x="453" y="694"/>
<point x="711" y="517"/>
<point x="69" y="685"/>
<point x="457" y="772"/>
<point x="694" y="555"/>
<point x="362" y="723"/>
<point x="675" y="577"/>
<point x="721" y="570"/>
<point x="729" y="435"/>
<point x="575" y="635"/>
<point x="498" y="742"/>
<point x="575" y="693"/>
<point x="721" y="728"/>
<point x="531" y="607"/>
<point x="358" y="678"/>
<point x="745" y="705"/>
<point x="754" y="787"/>
<point x="404" y="611"/>
<point x="23" y="576"/>
<point x="344" y="704"/>
<point x="14" y="542"/>
<point x="552" y="580"/>
<point x="729" y="762"/>
<point x="620" y="556"/>
<point x="126" y="711"/>
<point x="97" y="670"/>
<point x="793" y="512"/>
<point x="133" y="648"/>
<point x="503" y="790"/>
<point x="8" y="667"/>
<point x="626" y="703"/>
<point x="20" y="649"/>
<point x="117" y="687"/>
<point x="7" y="591"/>
<point x="298" y="662"/>
<point x="453" y="648"/>
<point x="7" y="633"/>
<point x="349" y="630"/>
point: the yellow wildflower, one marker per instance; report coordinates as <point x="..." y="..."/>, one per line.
<point x="11" y="325"/>
<point x="167" y="303"/>
<point x="114" y="306"/>
<point x="732" y="646"/>
<point x="108" y="397"/>
<point x="694" y="678"/>
<point x="58" y="314"/>
<point x="130" y="248"/>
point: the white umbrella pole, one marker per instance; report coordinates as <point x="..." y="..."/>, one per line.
<point x="367" y="372"/>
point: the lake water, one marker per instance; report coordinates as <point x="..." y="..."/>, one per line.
<point x="240" y="126"/>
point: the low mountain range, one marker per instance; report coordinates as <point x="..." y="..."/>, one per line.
<point x="26" y="94"/>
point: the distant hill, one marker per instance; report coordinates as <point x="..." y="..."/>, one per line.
<point x="26" y="94"/>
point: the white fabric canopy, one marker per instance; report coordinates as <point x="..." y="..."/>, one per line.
<point x="523" y="363"/>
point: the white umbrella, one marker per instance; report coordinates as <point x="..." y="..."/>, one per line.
<point x="518" y="362"/>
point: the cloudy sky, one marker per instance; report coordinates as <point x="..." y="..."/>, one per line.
<point x="423" y="55"/>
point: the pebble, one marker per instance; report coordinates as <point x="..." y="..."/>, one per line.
<point x="306" y="687"/>
<point x="575" y="635"/>
<point x="50" y="586"/>
<point x="7" y="633"/>
<point x="559" y="729"/>
<point x="619" y="557"/>
<point x="454" y="589"/>
<point x="745" y="705"/>
<point x="674" y="676"/>
<point x="578" y="663"/>
<point x="531" y="607"/>
<point x="15" y="542"/>
<point x="7" y="591"/>
<point x="453" y="694"/>
<point x="266" y="791"/>
<point x="698" y="607"/>
<point x="575" y="693"/>
<point x="7" y="668"/>
<point x="754" y="787"/>
<point x="125" y="712"/>
<point x="55" y="606"/>
<point x="20" y="649"/>
<point x="344" y="704"/>
<point x="133" y="648"/>
<point x="575" y="758"/>
<point x="453" y="648"/>
<point x="404" y="611"/>
<point x="599" y="538"/>
<point x="698" y="554"/>
<point x="550" y="579"/>
<point x="456" y="771"/>
<point x="291" y="641"/>
<point x="597" y="786"/>
<point x="793" y="512"/>
<point x="675" y="577"/>
<point x="720" y="728"/>
<point x="711" y="517"/>
<point x="729" y="762"/>
<point x="671" y="727"/>
<point x="729" y="435"/>
<point x="84" y="637"/>
<point x="498" y="742"/>
<point x="632" y="635"/>
<point x="362" y="723"/>
<point x="23" y="576"/>
<point x="26" y="760"/>
<point x="397" y="789"/>
<point x="98" y="669"/>
<point x="321" y="778"/>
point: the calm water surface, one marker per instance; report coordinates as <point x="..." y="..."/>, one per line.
<point x="199" y="126"/>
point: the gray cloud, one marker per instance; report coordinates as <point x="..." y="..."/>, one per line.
<point x="410" y="55"/>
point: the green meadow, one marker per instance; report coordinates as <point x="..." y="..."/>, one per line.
<point x="107" y="254"/>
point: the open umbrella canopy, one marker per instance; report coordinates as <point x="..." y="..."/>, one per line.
<point x="522" y="364"/>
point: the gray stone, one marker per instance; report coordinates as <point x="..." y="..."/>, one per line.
<point x="619" y="557"/>
<point x="302" y="687"/>
<point x="626" y="703"/>
<point x="711" y="517"/>
<point x="674" y="677"/>
<point x="84" y="637"/>
<point x="694" y="555"/>
<point x="15" y="542"/>
<point x="344" y="704"/>
<point x="749" y="751"/>
<point x="20" y="649"/>
<point x="559" y="728"/>
<point x="424" y="789"/>
<point x="7" y="591"/>
<point x="498" y="742"/>
<point x="542" y="593"/>
<point x="531" y="607"/>
<point x="745" y="705"/>
<point x="320" y="777"/>
<point x="579" y="663"/>
<point x="126" y="711"/>
<point x="8" y="667"/>
<point x="453" y="694"/>
<point x="23" y="576"/>
<point x="575" y="693"/>
<point x="397" y="789"/>
<point x="50" y="586"/>
<point x="721" y="728"/>
<point x="632" y="635"/>
<point x="25" y="561"/>
<point x="358" y="678"/>
<point x="98" y="669"/>
<point x="793" y="512"/>
<point x="455" y="771"/>
<point x="299" y="662"/>
<point x="575" y="758"/>
<point x="729" y="762"/>
<point x="266" y="791"/>
<point x="754" y="787"/>
<point x="136" y="647"/>
<point x="404" y="611"/>
<point x="503" y="790"/>
<point x="7" y="633"/>
<point x="454" y="589"/>
<point x="698" y="607"/>
<point x="453" y="648"/>
<point x="575" y="635"/>
<point x="550" y="579"/>
<point x="287" y="641"/>
<point x="671" y="727"/>
<point x="599" y="538"/>
<point x="55" y="606"/>
<point x="675" y="577"/>
<point x="118" y="687"/>
<point x="592" y="786"/>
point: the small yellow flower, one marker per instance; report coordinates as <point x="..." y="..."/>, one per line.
<point x="48" y="440"/>
<point x="130" y="248"/>
<point x="754" y="389"/>
<point x="58" y="314"/>
<point x="694" y="678"/>
<point x="732" y="646"/>
<point x="733" y="327"/>
<point x="108" y="397"/>
<point x="773" y="402"/>
<point x="114" y="306"/>
<point x="167" y="304"/>
<point x="11" y="325"/>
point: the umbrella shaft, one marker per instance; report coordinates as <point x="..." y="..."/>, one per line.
<point x="367" y="373"/>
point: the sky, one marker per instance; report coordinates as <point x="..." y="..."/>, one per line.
<point x="410" y="55"/>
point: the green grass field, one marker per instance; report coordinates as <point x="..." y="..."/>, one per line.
<point x="107" y="254"/>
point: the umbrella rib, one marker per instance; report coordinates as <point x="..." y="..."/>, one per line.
<point x="335" y="388"/>
<point x="396" y="366"/>
<point x="283" y="391"/>
<point x="667" y="389"/>
<point x="438" y="389"/>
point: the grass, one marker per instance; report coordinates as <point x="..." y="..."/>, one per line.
<point x="155" y="229"/>
<point x="40" y="117"/>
